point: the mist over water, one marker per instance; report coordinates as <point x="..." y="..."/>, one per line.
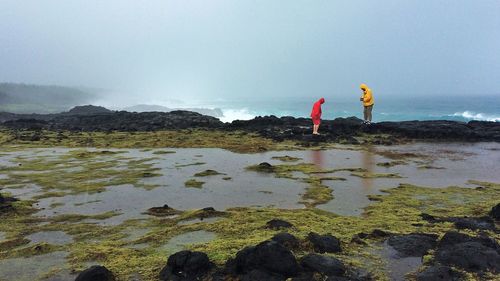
<point x="253" y="58"/>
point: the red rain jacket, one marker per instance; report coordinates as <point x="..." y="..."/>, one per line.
<point x="316" y="110"/>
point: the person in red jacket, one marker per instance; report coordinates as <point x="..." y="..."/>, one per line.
<point x="316" y="115"/>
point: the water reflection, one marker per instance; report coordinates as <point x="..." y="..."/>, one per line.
<point x="367" y="163"/>
<point x="317" y="158"/>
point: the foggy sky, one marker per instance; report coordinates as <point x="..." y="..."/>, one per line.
<point x="157" y="50"/>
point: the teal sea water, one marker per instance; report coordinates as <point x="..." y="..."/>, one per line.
<point x="464" y="109"/>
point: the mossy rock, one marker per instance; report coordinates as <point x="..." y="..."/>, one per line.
<point x="194" y="183"/>
<point x="162" y="211"/>
<point x="207" y="173"/>
<point x="161" y="152"/>
<point x="373" y="176"/>
<point x="287" y="158"/>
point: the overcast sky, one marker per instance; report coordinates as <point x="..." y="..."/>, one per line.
<point x="211" y="49"/>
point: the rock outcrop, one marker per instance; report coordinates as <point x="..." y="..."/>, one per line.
<point x="343" y="130"/>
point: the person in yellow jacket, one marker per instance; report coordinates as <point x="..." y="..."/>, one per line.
<point x="368" y="102"/>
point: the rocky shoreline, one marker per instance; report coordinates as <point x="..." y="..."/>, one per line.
<point x="454" y="255"/>
<point x="343" y="130"/>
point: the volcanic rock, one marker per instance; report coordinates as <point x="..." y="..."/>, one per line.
<point x="287" y="240"/>
<point x="95" y="273"/>
<point x="323" y="264"/>
<point x="439" y="273"/>
<point x="324" y="243"/>
<point x="413" y="245"/>
<point x="277" y="224"/>
<point x="495" y="212"/>
<point x="186" y="265"/>
<point x="267" y="256"/>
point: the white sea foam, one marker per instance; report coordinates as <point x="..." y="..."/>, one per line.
<point x="236" y="114"/>
<point x="478" y="116"/>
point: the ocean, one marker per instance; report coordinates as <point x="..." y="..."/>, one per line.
<point x="485" y="108"/>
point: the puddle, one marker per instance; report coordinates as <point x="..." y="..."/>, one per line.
<point x="398" y="267"/>
<point x="180" y="242"/>
<point x="134" y="234"/>
<point x="198" y="220"/>
<point x="2" y="236"/>
<point x="29" y="269"/>
<point x="50" y="237"/>
<point x="247" y="188"/>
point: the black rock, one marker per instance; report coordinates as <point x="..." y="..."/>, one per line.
<point x="439" y="273"/>
<point x="378" y="233"/>
<point x="261" y="275"/>
<point x="323" y="264"/>
<point x="413" y="245"/>
<point x="268" y="256"/>
<point x="287" y="240"/>
<point x="470" y="256"/>
<point x="277" y="224"/>
<point x="95" y="273"/>
<point x="452" y="238"/>
<point x="428" y="217"/>
<point x="324" y="243"/>
<point x="162" y="211"/>
<point x="481" y="223"/>
<point x="495" y="212"/>
<point x="186" y="265"/>
<point x="306" y="276"/>
<point x="265" y="167"/>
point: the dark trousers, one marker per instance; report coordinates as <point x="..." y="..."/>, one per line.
<point x="368" y="112"/>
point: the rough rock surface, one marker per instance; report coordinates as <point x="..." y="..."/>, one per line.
<point x="323" y="264"/>
<point x="277" y="224"/>
<point x="495" y="212"/>
<point x="287" y="240"/>
<point x="343" y="130"/>
<point x="267" y="256"/>
<point x="186" y="265"/>
<point x="439" y="273"/>
<point x="95" y="273"/>
<point x="413" y="245"/>
<point x="473" y="254"/>
<point x="324" y="243"/>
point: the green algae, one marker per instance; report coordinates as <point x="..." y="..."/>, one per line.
<point x="207" y="173"/>
<point x="316" y="193"/>
<point x="430" y="167"/>
<point x="194" y="183"/>
<point x="190" y="164"/>
<point x="397" y="210"/>
<point x="286" y="158"/>
<point x="392" y="163"/>
<point x="368" y="175"/>
<point x="161" y="152"/>
<point x="79" y="171"/>
<point x="71" y="218"/>
<point x="236" y="141"/>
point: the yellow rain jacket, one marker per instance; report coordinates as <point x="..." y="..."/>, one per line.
<point x="367" y="95"/>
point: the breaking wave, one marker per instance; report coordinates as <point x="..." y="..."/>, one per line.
<point x="230" y="115"/>
<point x="477" y="116"/>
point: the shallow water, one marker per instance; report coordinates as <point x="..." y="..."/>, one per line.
<point x="50" y="237"/>
<point x="461" y="163"/>
<point x="179" y="243"/>
<point x="199" y="220"/>
<point x="27" y="269"/>
<point x="397" y="267"/>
